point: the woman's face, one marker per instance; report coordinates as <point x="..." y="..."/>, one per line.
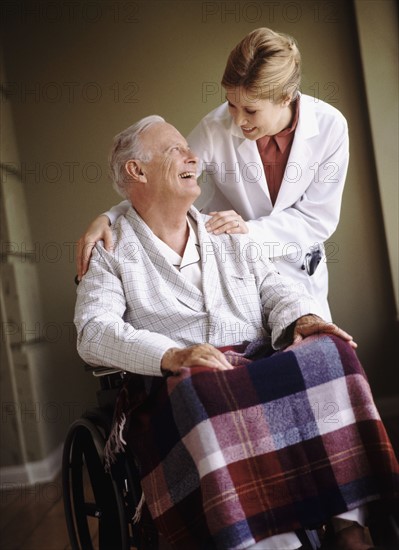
<point x="257" y="117"/>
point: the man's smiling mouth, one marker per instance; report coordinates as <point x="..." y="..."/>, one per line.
<point x="186" y="175"/>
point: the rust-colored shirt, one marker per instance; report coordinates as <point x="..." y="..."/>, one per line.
<point x="274" y="152"/>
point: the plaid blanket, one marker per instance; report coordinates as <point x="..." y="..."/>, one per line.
<point x="228" y="458"/>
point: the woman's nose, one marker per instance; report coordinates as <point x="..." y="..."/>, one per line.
<point x="240" y="119"/>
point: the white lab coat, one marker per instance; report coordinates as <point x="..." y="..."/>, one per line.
<point x="308" y="205"/>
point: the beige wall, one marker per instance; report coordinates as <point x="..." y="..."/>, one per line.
<point x="79" y="74"/>
<point x="379" y="46"/>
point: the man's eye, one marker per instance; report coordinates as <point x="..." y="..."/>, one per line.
<point x="250" y="112"/>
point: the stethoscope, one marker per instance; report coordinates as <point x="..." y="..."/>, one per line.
<point x="312" y="259"/>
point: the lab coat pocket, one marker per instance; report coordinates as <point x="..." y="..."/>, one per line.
<point x="287" y="262"/>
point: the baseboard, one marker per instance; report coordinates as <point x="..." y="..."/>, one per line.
<point x="40" y="471"/>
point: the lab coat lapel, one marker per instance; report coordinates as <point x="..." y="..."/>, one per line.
<point x="177" y="284"/>
<point x="253" y="174"/>
<point x="301" y="160"/>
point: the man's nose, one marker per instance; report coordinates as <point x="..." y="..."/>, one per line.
<point x="192" y="157"/>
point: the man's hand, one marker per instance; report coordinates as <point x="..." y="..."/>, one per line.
<point x="98" y="230"/>
<point x="200" y="355"/>
<point x="226" y="221"/>
<point x="312" y="324"/>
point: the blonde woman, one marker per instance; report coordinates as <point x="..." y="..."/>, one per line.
<point x="274" y="163"/>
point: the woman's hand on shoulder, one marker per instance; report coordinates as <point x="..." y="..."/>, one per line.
<point x="226" y="221"/>
<point x="98" y="230"/>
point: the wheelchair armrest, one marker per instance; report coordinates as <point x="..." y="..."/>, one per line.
<point x="102" y="371"/>
<point x="110" y="381"/>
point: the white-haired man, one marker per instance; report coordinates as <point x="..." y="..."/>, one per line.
<point x="164" y="301"/>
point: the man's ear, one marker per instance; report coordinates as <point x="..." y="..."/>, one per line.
<point x="134" y="169"/>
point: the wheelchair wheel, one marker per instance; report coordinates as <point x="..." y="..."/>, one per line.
<point x="95" y="510"/>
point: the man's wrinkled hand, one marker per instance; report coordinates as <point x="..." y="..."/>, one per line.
<point x="312" y="324"/>
<point x="200" y="355"/>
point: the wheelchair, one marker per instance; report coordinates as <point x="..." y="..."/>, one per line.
<point x="100" y="505"/>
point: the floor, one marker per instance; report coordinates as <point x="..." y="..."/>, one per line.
<point x="32" y="518"/>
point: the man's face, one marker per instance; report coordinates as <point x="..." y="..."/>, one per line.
<point x="172" y="171"/>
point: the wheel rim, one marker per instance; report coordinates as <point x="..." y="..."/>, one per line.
<point x="94" y="510"/>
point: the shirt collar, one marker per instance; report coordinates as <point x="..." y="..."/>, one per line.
<point x="191" y="252"/>
<point x="283" y="138"/>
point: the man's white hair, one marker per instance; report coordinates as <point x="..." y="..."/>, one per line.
<point x="126" y="146"/>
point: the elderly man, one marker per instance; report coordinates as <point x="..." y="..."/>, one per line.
<point x="241" y="446"/>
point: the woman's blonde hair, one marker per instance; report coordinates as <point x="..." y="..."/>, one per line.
<point x="265" y="63"/>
